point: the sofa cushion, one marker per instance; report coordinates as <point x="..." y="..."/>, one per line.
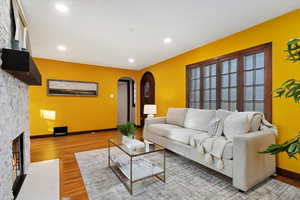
<point x="198" y="119"/>
<point x="176" y="116"/>
<point x="236" y="124"/>
<point x="162" y="129"/>
<point x="223" y="114"/>
<point x="173" y="132"/>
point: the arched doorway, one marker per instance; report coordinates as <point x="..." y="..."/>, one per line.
<point x="147" y="93"/>
<point x="126" y="100"/>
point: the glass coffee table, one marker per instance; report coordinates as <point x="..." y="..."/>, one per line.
<point x="135" y="167"/>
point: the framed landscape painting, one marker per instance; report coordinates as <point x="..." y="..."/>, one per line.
<point x="72" y="88"/>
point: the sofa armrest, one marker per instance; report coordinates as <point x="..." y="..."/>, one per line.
<point x="154" y="120"/>
<point x="249" y="166"/>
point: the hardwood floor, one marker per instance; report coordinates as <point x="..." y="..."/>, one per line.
<point x="64" y="149"/>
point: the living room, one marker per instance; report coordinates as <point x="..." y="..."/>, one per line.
<point x="144" y="100"/>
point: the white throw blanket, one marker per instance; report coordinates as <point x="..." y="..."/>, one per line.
<point x="214" y="146"/>
<point x="265" y="125"/>
<point x="210" y="146"/>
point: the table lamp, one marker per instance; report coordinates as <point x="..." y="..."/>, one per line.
<point x="150" y="110"/>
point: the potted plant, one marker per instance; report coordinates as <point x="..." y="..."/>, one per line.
<point x="128" y="130"/>
<point x="289" y="89"/>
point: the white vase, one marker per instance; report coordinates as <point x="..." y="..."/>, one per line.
<point x="126" y="138"/>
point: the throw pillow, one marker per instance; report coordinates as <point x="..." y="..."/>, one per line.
<point x="176" y="116"/>
<point x="215" y="127"/>
<point x="236" y="124"/>
<point x="223" y="114"/>
<point x="198" y="119"/>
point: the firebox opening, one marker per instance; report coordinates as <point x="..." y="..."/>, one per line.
<point x="18" y="164"/>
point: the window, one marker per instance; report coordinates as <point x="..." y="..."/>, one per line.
<point x="254" y="82"/>
<point x="194" y="89"/>
<point x="209" y="87"/>
<point x="238" y="81"/>
<point x="228" y="84"/>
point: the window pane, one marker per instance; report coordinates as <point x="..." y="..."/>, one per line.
<point x="224" y="105"/>
<point x="259" y="107"/>
<point x="213" y="82"/>
<point x="224" y="80"/>
<point x="192" y="85"/>
<point x="196" y="73"/>
<point x="233" y="79"/>
<point x="233" y="65"/>
<point x="248" y="107"/>
<point x="206" y="71"/>
<point x="260" y="60"/>
<point x="213" y="70"/>
<point x="197" y="96"/>
<point x="213" y="106"/>
<point x="195" y="84"/>
<point x="206" y="83"/>
<point x="206" y="95"/>
<point x="249" y="62"/>
<point x="224" y="94"/>
<point x="224" y="68"/>
<point x="232" y="106"/>
<point x="195" y="105"/>
<point x="206" y="105"/>
<point x="248" y="93"/>
<point x="192" y="96"/>
<point x="259" y="76"/>
<point x="213" y="95"/>
<point x="249" y="78"/>
<point x="233" y="94"/>
<point x="259" y="93"/>
<point x="192" y="73"/>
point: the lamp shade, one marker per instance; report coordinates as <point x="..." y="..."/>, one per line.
<point x="150" y="109"/>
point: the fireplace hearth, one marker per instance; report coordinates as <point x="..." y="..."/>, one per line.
<point x="18" y="164"/>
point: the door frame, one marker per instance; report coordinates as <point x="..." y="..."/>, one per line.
<point x="142" y="93"/>
<point x="128" y="98"/>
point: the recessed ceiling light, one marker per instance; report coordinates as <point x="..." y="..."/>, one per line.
<point x="131" y="60"/>
<point x="61" y="7"/>
<point x="61" y="48"/>
<point x="167" y="40"/>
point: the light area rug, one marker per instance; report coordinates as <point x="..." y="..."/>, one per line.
<point x="41" y="182"/>
<point x="185" y="180"/>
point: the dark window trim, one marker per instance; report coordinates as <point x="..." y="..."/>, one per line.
<point x="266" y="48"/>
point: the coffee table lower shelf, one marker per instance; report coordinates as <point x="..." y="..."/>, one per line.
<point x="128" y="178"/>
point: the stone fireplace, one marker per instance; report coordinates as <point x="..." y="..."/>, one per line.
<point x="14" y="119"/>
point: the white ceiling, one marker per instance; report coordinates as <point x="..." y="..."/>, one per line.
<point x="108" y="32"/>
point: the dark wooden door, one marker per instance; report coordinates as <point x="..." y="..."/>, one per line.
<point x="147" y="93"/>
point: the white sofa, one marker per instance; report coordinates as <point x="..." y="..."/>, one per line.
<point x="241" y="160"/>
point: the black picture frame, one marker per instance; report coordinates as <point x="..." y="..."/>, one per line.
<point x="66" y="88"/>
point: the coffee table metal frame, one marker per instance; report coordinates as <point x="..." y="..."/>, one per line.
<point x="122" y="177"/>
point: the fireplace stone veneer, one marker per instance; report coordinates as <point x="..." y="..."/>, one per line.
<point x="14" y="105"/>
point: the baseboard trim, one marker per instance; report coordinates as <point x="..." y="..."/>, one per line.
<point x="73" y="133"/>
<point x="41" y="136"/>
<point x="287" y="173"/>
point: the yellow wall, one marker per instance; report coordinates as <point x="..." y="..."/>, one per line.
<point x="78" y="113"/>
<point x="170" y="74"/>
